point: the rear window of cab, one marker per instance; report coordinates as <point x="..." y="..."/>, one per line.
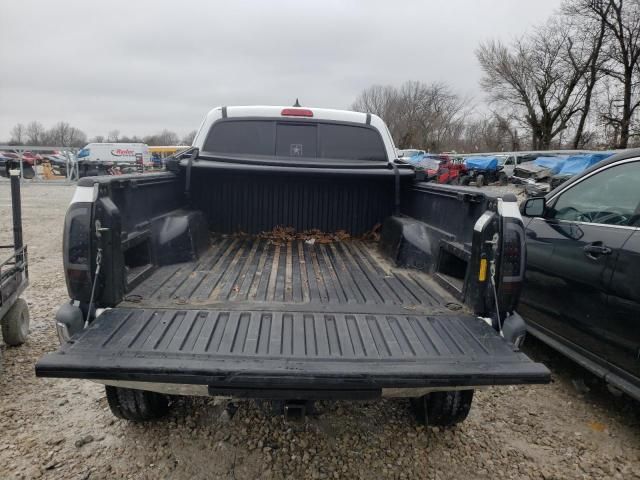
<point x="293" y="139"/>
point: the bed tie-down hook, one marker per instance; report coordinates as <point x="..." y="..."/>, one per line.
<point x="100" y="229"/>
<point x="495" y="240"/>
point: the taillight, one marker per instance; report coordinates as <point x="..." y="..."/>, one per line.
<point x="77" y="251"/>
<point x="296" y="112"/>
<point x="512" y="264"/>
<point x="512" y="252"/>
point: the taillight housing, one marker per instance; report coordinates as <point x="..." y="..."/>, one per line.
<point x="77" y="251"/>
<point x="512" y="252"/>
<point x="512" y="263"/>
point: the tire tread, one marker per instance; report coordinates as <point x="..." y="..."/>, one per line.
<point x="443" y="409"/>
<point x="136" y="405"/>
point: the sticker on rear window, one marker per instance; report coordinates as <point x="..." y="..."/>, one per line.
<point x="295" y="150"/>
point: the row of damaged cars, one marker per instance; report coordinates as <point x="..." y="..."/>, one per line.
<point x="547" y="172"/>
<point x="539" y="171"/>
<point x="11" y="160"/>
<point x="456" y="169"/>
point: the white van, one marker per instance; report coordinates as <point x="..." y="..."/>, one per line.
<point x="116" y="152"/>
<point x="97" y="158"/>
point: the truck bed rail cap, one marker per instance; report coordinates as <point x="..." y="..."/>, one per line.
<point x="85" y="194"/>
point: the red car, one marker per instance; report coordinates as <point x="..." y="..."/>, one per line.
<point x="10" y="160"/>
<point x="441" y="169"/>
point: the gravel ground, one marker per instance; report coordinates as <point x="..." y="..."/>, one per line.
<point x="572" y="428"/>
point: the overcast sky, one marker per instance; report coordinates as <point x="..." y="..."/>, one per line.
<point x="142" y="65"/>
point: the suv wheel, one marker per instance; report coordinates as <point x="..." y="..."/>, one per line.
<point x="443" y="409"/>
<point x="136" y="405"/>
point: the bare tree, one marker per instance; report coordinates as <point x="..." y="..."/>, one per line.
<point x="384" y="101"/>
<point x="591" y="33"/>
<point x="18" y="134"/>
<point x="440" y="114"/>
<point x="622" y="21"/>
<point x="63" y="134"/>
<point x="113" y="136"/>
<point x="98" y="139"/>
<point x="35" y="133"/>
<point x="166" y="137"/>
<point x="542" y="75"/>
<point x="189" y="137"/>
<point x="489" y="134"/>
<point x="59" y="134"/>
<point x="420" y="115"/>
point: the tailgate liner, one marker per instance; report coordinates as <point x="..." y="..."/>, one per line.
<point x="297" y="350"/>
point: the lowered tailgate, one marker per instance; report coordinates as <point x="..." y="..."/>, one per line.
<point x="248" y="351"/>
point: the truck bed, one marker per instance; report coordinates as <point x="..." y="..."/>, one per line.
<point x="240" y="272"/>
<point x="254" y="317"/>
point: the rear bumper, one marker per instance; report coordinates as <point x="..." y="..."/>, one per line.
<point x="278" y="393"/>
<point x="293" y="354"/>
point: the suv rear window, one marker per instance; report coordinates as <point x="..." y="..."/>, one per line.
<point x="286" y="139"/>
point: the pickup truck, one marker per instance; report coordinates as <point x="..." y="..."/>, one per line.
<point x="182" y="283"/>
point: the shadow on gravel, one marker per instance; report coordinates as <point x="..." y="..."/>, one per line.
<point x="583" y="384"/>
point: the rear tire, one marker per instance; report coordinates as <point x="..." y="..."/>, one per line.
<point x="443" y="409"/>
<point x="464" y="180"/>
<point x="502" y="178"/>
<point x="136" y="405"/>
<point x="480" y="181"/>
<point x="15" y="324"/>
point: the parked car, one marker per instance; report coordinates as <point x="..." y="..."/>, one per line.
<point x="582" y="283"/>
<point x="437" y="168"/>
<point x="540" y="169"/>
<point x="199" y="290"/>
<point x="509" y="163"/>
<point x="11" y="161"/>
<point x="408" y="153"/>
<point x="482" y="171"/>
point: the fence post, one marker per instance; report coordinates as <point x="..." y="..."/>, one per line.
<point x="16" y="209"/>
<point x="20" y="165"/>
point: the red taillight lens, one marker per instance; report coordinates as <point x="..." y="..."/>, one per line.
<point x="296" y="112"/>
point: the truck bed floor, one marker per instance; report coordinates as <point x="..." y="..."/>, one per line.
<point x="240" y="273"/>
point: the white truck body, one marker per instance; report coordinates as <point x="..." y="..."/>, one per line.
<point x="276" y="111"/>
<point x="129" y="153"/>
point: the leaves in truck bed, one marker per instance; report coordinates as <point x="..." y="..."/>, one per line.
<point x="373" y="234"/>
<point x="280" y="235"/>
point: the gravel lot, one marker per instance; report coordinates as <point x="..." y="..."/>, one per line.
<point x="572" y="428"/>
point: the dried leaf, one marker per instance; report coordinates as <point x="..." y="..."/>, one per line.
<point x="597" y="426"/>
